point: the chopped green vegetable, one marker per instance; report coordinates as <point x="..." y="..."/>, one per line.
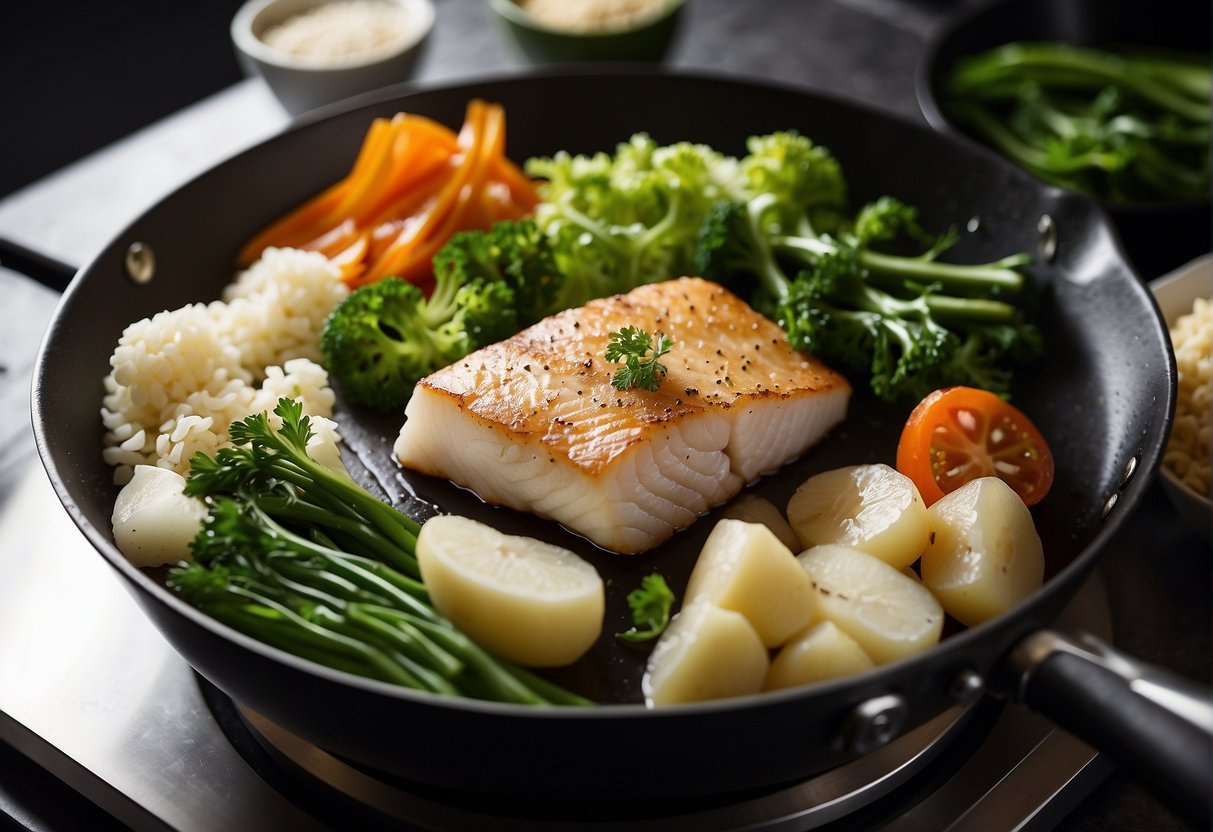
<point x="651" y="604"/>
<point x="1123" y="126"/>
<point x="384" y="337"/>
<point x="300" y="557"/>
<point x="631" y="345"/>
<point x="618" y="221"/>
<point x="910" y="323"/>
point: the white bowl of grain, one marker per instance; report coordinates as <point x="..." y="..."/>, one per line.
<point x="315" y="52"/>
<point x="1186" y="299"/>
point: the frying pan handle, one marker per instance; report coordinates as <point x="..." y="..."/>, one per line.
<point x="1156" y="726"/>
<point x="46" y="270"/>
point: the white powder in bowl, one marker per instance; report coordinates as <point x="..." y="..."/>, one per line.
<point x="592" y="15"/>
<point x="347" y="31"/>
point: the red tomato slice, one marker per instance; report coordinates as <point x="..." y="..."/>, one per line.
<point x="958" y="434"/>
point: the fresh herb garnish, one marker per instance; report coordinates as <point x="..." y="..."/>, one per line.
<point x="651" y="605"/>
<point x="631" y="345"/>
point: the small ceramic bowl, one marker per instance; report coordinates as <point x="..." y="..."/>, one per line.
<point x="1175" y="294"/>
<point x="648" y="40"/>
<point x="304" y="82"/>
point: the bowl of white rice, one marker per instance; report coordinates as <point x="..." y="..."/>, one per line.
<point x="1186" y="299"/>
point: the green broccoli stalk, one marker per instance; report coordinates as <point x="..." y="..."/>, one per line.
<point x="910" y="323"/>
<point x="383" y="338"/>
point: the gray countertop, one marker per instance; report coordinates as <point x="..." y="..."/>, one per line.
<point x="1158" y="576"/>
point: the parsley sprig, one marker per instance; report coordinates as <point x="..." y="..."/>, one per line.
<point x="651" y="605"/>
<point x="630" y="345"/>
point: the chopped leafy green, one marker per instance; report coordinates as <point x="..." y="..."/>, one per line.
<point x="651" y="604"/>
<point x="300" y="557"/>
<point x="631" y="345"/>
<point x="1125" y="125"/>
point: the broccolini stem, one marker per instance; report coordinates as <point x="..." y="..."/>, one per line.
<point x="274" y="623"/>
<point x="410" y="643"/>
<point x="372" y="539"/>
<point x="499" y="683"/>
<point x="1070" y="66"/>
<point x="1000" y="275"/>
<point x="970" y="310"/>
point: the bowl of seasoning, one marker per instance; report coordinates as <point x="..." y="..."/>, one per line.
<point x="559" y="31"/>
<point x="1108" y="98"/>
<point x="315" y="52"/>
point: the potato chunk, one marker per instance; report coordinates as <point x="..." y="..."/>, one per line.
<point x="754" y="509"/>
<point x="525" y="600"/>
<point x="154" y="522"/>
<point x="889" y="614"/>
<point x="872" y="508"/>
<point x="984" y="556"/>
<point x="819" y="652"/>
<point x="706" y="653"/>
<point x="743" y="567"/>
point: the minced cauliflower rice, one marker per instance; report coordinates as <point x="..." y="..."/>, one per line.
<point x="1187" y="454"/>
<point x="181" y="377"/>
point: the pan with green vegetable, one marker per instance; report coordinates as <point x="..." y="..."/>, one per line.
<point x="303" y="599"/>
<point x="1106" y="99"/>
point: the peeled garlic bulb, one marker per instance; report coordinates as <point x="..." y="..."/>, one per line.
<point x="889" y="614"/>
<point x="154" y="522"/>
<point x="872" y="508"/>
<point x="743" y="567"/>
<point x="754" y="509"/>
<point x="705" y="653"/>
<point x="984" y="556"/>
<point x="819" y="652"/>
<point x="525" y="600"/>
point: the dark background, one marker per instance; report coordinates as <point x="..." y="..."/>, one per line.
<point x="79" y="74"/>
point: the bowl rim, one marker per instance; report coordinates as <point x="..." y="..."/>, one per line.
<point x="1198" y="274"/>
<point x="250" y="43"/>
<point x="515" y="14"/>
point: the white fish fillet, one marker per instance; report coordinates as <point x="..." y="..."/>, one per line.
<point x="534" y="423"/>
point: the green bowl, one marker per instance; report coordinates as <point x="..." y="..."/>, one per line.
<point x="539" y="43"/>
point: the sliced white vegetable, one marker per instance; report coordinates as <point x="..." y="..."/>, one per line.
<point x="705" y="653"/>
<point x="984" y="556"/>
<point x="754" y="509"/>
<point x="889" y="614"/>
<point x="743" y="567"/>
<point x="523" y="599"/>
<point x="154" y="522"/>
<point x="819" y="652"/>
<point x="873" y="508"/>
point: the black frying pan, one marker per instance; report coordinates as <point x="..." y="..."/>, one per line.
<point x="1104" y="399"/>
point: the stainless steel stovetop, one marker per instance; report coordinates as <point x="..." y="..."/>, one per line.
<point x="101" y="701"/>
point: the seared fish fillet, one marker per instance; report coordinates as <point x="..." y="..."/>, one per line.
<point x="534" y="423"/>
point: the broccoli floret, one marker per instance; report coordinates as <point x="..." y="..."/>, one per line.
<point x="804" y="178"/>
<point x="733" y="245"/>
<point x="383" y="338"/>
<point x="910" y="323"/>
<point x="513" y="252"/>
